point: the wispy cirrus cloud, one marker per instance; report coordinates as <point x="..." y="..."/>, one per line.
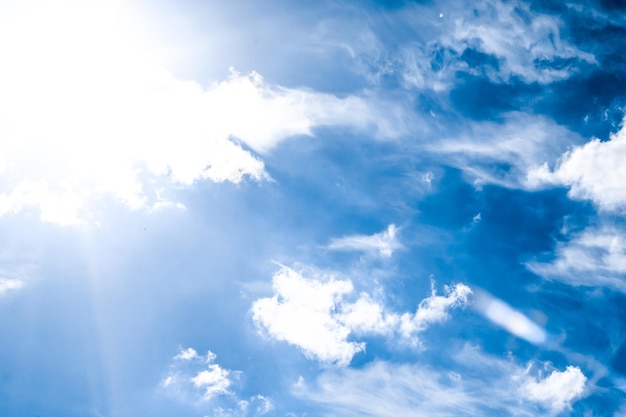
<point x="474" y="384"/>
<point x="506" y="150"/>
<point x="323" y="317"/>
<point x="383" y="243"/>
<point x="492" y="39"/>
<point x="593" y="257"/>
<point x="526" y="43"/>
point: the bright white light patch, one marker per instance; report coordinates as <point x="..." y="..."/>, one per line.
<point x="85" y="115"/>
<point x="7" y="284"/>
<point x="509" y="319"/>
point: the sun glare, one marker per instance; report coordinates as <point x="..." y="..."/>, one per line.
<point x="71" y="78"/>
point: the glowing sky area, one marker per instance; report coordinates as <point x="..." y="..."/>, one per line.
<point x="302" y="209"/>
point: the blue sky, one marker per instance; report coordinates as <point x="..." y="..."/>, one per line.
<point x="282" y="208"/>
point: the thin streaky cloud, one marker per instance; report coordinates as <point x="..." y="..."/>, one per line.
<point x="383" y="243"/>
<point x="390" y="389"/>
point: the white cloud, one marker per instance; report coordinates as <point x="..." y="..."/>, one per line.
<point x="189" y="368"/>
<point x="197" y="380"/>
<point x="90" y="116"/>
<point x="594" y="257"/>
<point x="522" y="42"/>
<point x="556" y="391"/>
<point x="383" y="243"/>
<point x="214" y="381"/>
<point x="472" y="384"/>
<point x="503" y="152"/>
<point x="188" y="354"/>
<point x="8" y="284"/>
<point x="320" y="315"/>
<point x="383" y="389"/>
<point x="256" y="405"/>
<point x="303" y="313"/>
<point x="434" y="309"/>
<point x="507" y="38"/>
<point x="365" y="316"/>
<point x="594" y="171"/>
<point x="525" y="42"/>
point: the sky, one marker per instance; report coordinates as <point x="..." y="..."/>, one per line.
<point x="301" y="209"/>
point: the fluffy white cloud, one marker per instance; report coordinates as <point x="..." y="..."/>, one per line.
<point x="473" y="384"/>
<point x="82" y="117"/>
<point x="213" y="380"/>
<point x="383" y="243"/>
<point x="197" y="379"/>
<point x="556" y="391"/>
<point x="320" y="315"/>
<point x="594" y="171"/>
<point x="190" y="353"/>
<point x="303" y="313"/>
<point x="594" y="257"/>
<point x="8" y="284"/>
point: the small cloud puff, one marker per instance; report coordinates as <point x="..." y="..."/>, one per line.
<point x="382" y="244"/>
<point x="321" y="315"/>
<point x="8" y="284"/>
<point x="433" y="309"/>
<point x="198" y="380"/>
<point x="189" y="354"/>
<point x="214" y="380"/>
<point x="556" y="391"/>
